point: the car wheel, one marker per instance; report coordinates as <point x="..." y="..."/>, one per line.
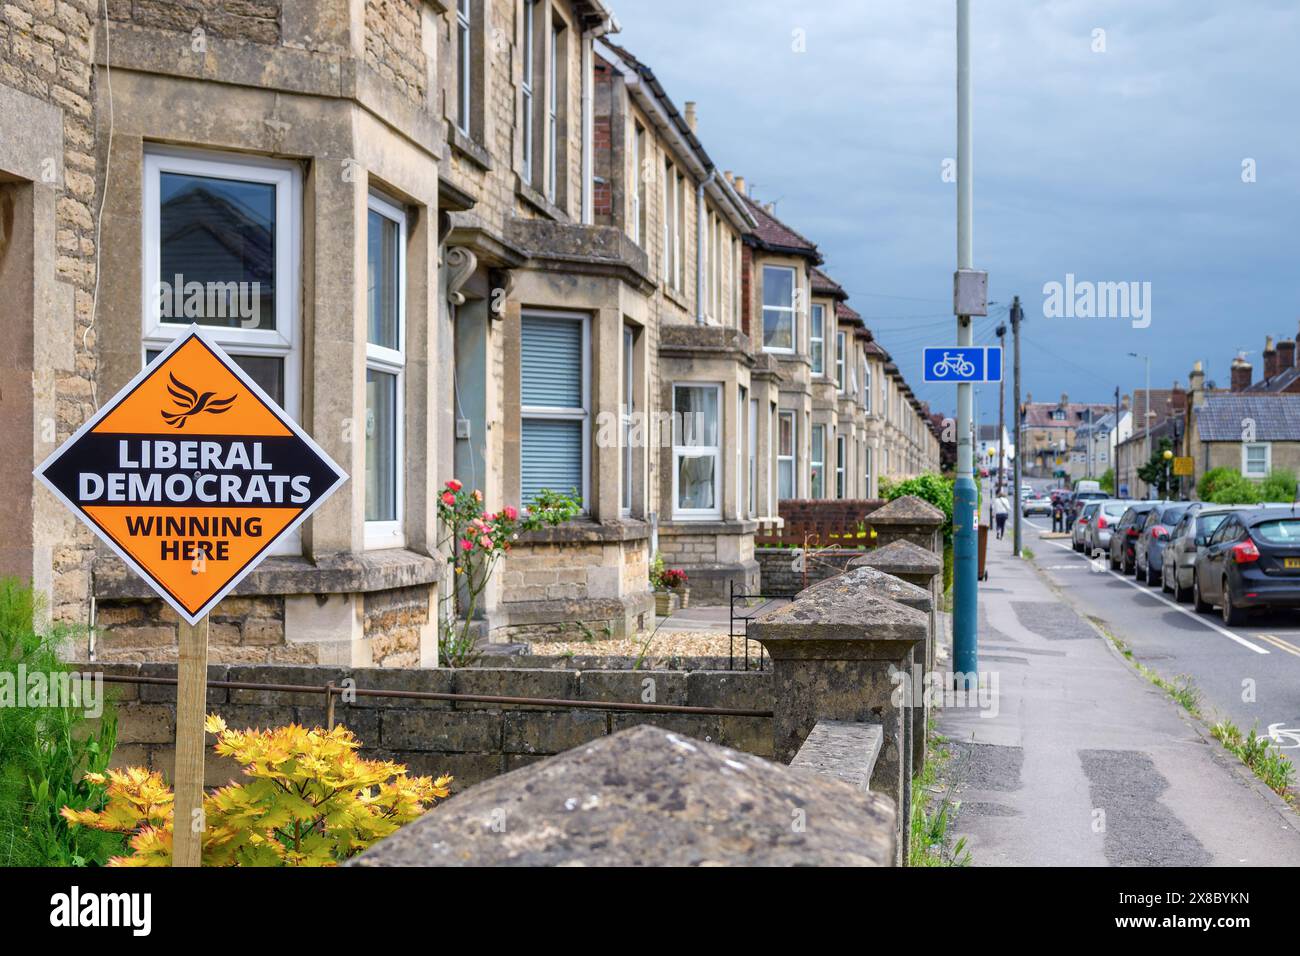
<point x="1114" y="565"/>
<point x="1198" y="605"/>
<point x="1164" y="581"/>
<point x="1151" y="578"/>
<point x="1232" y="616"/>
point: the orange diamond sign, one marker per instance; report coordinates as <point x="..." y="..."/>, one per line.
<point x="191" y="473"/>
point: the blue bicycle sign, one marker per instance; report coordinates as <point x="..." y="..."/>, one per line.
<point x="964" y="363"/>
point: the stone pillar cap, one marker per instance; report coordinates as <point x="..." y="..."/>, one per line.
<point x="907" y="510"/>
<point x="648" y="797"/>
<point x="840" y="624"/>
<point x="875" y="582"/>
<point x="900" y="557"/>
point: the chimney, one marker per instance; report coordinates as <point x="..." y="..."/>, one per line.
<point x="740" y="185"/>
<point x="729" y="177"/>
<point x="1124" y="403"/>
<point x="1270" y="358"/>
<point x="1065" y="400"/>
<point x="1241" y="374"/>
<point x="691" y="119"/>
<point x="1029" y="398"/>
<point x="1285" y="354"/>
<point x="1177" y="398"/>
<point x="1196" y="384"/>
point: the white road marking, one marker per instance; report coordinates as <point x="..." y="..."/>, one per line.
<point x="1199" y="618"/>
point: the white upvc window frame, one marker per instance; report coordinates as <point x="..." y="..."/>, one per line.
<point x="553" y="113"/>
<point x="840" y="381"/>
<point x="1245" y="459"/>
<point x="753" y="457"/>
<point x="817" y="337"/>
<point x="638" y="186"/>
<point x="866" y="471"/>
<point x="464" y="64"/>
<point x="817" y="460"/>
<point x="739" y="431"/>
<point x="626" y="488"/>
<point x="698" y="451"/>
<point x="526" y="88"/>
<point x="866" y="385"/>
<point x="284" y="341"/>
<point x="792" y="309"/>
<point x="582" y="414"/>
<point x="736" y="259"/>
<point x="792" y="458"/>
<point x="390" y="534"/>
<point x="841" y="453"/>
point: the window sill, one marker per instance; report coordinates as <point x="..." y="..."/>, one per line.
<point x="538" y="201"/>
<point x="588" y="532"/>
<point x="674" y="296"/>
<point x="469" y="148"/>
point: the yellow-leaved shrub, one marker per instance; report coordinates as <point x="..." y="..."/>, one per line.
<point x="309" y="800"/>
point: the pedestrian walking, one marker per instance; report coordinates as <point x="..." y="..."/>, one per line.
<point x="1058" y="514"/>
<point x="1001" y="508"/>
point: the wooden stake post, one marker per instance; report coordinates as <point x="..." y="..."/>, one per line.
<point x="191" y="707"/>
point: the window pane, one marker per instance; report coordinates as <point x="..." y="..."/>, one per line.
<point x="778" y="329"/>
<point x="697" y="416"/>
<point x="778" y="287"/>
<point x="551" y="457"/>
<point x="786" y="482"/>
<point x="786" y="446"/>
<point x="381" y="446"/>
<point x="217" y="251"/>
<point x="551" y="362"/>
<point x="695" y="475"/>
<point x="382" y="268"/>
<point x="266" y="370"/>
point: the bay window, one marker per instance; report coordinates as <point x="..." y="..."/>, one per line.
<point x="526" y="90"/>
<point x="697" y="445"/>
<point x="778" y="309"/>
<point x="464" y="76"/>
<point x="554" y="398"/>
<point x="839" y="360"/>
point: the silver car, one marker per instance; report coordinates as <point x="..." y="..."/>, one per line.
<point x="1186" y="541"/>
<point x="1103" y="521"/>
<point x="1079" y="532"/>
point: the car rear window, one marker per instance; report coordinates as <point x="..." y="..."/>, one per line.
<point x="1112" y="511"/>
<point x="1208" y="524"/>
<point x="1172" y="515"/>
<point x="1281" y="531"/>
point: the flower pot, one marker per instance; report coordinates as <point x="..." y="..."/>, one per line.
<point x="666" y="602"/>
<point x="684" y="594"/>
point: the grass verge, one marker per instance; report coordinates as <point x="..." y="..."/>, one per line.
<point x="931" y="843"/>
<point x="1259" y="754"/>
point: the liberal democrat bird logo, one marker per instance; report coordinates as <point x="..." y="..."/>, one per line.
<point x="192" y="403"/>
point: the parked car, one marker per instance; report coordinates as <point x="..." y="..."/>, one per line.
<point x="1126" y="533"/>
<point x="1036" y="505"/>
<point x="1108" y="514"/>
<point x="1079" y="534"/>
<point x="1186" y="541"/>
<point x="1252" y="560"/>
<point x="1150" y="546"/>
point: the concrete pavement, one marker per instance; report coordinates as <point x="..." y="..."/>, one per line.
<point x="1086" y="763"/>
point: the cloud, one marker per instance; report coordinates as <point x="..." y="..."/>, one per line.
<point x="1122" y="165"/>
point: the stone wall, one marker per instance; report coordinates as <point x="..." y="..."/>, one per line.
<point x="393" y="45"/>
<point x="781" y="577"/>
<point x="821" y="522"/>
<point x="255" y="21"/>
<point x="473" y="741"/>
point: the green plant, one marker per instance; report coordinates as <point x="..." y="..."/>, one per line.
<point x="1107" y="481"/>
<point x="929" y="843"/>
<point x="45" y="751"/>
<point x="1209" y="482"/>
<point x="1280" y="485"/>
<point x="1259" y="754"/>
<point x="933" y="488"/>
<point x="309" y="800"/>
<point x="474" y="541"/>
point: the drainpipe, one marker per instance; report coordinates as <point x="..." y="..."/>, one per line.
<point x="609" y="25"/>
<point x="699" y="245"/>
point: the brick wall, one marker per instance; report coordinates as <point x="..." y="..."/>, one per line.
<point x="786" y="571"/>
<point x="822" y="522"/>
<point x="471" y="741"/>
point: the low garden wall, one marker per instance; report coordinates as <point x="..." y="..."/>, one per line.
<point x="821" y="522"/>
<point x="787" y="571"/>
<point x="472" y="741"/>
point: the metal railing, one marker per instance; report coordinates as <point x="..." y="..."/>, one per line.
<point x="743" y="620"/>
<point x="331" y="691"/>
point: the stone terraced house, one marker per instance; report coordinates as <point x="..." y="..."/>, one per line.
<point x="482" y="242"/>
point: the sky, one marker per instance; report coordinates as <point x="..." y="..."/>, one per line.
<point x="1113" y="142"/>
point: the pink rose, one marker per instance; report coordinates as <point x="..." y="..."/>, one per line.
<point x="485" y="542"/>
<point x="510" y="513"/>
<point x="466" y="544"/>
<point x="478" y="495"/>
<point x="448" y="499"/>
<point x="454" y="485"/>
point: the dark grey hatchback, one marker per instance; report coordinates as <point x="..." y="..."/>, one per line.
<point x="1252" y="560"/>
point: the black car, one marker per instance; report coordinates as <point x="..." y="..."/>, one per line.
<point x="1125" y="536"/>
<point x="1150" y="547"/>
<point x="1252" y="560"/>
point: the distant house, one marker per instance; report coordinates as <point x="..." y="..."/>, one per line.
<point x="1048" y="431"/>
